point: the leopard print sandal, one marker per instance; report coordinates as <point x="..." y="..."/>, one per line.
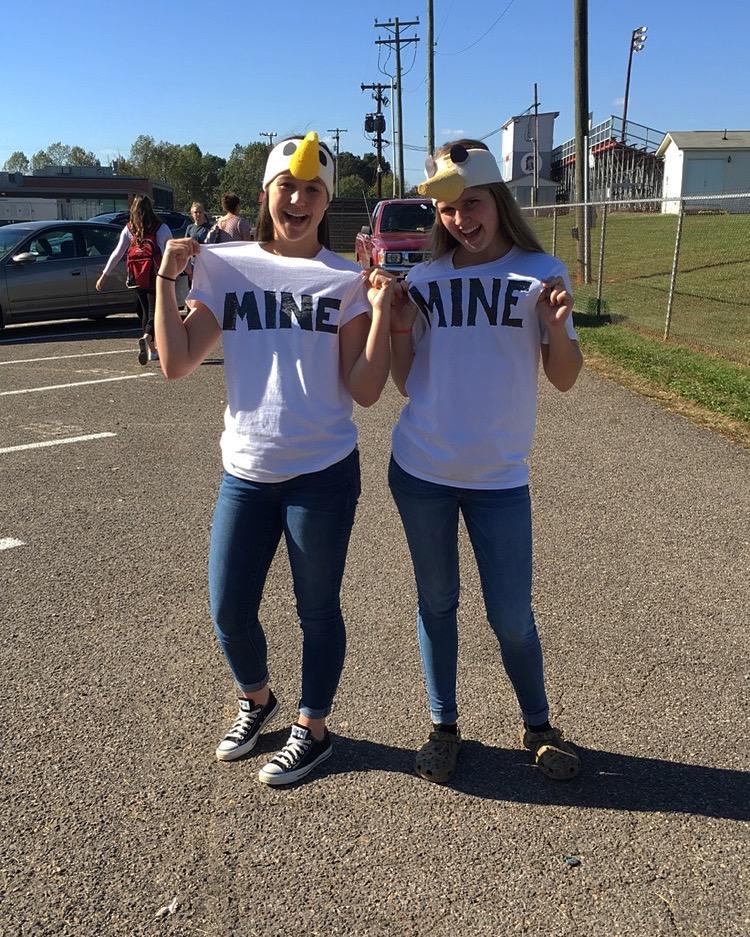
<point x="436" y="759"/>
<point x="556" y="758"/>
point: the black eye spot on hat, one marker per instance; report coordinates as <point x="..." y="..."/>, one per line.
<point x="323" y="158"/>
<point x="459" y="154"/>
<point x="289" y="148"/>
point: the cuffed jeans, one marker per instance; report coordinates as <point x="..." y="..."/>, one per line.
<point x="315" y="512"/>
<point x="499" y="526"/>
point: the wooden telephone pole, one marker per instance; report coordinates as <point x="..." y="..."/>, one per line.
<point x="396" y="41"/>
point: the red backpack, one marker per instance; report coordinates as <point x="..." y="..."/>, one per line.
<point x="143" y="260"/>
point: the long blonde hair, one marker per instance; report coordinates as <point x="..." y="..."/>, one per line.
<point x="513" y="225"/>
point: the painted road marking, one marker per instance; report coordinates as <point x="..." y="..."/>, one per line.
<point x="104" y="380"/>
<point x="86" y="354"/>
<point x="7" y="543"/>
<point x="56" y="442"/>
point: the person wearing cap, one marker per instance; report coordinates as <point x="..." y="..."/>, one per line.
<point x="303" y="337"/>
<point x="465" y="352"/>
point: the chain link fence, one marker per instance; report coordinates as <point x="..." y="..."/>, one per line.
<point x="675" y="268"/>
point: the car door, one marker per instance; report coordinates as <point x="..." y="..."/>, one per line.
<point x="98" y="242"/>
<point x="53" y="282"/>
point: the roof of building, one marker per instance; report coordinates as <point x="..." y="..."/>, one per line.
<point x="706" y="140"/>
<point x="512" y="120"/>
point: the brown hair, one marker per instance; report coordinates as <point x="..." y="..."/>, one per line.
<point x="230" y="202"/>
<point x="264" y="226"/>
<point x="143" y="221"/>
<point x="512" y="223"/>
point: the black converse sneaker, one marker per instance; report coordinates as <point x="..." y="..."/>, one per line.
<point x="297" y="758"/>
<point x="243" y="735"/>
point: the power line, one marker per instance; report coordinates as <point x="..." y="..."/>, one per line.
<point x="487" y="32"/>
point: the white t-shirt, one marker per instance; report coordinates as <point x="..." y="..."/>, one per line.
<point x="288" y="410"/>
<point x="472" y="387"/>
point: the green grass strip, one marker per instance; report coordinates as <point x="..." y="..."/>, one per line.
<point x="718" y="385"/>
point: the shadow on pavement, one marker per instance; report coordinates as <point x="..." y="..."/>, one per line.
<point x="608" y="780"/>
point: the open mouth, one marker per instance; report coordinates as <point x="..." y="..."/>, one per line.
<point x="471" y="235"/>
<point x="295" y="219"/>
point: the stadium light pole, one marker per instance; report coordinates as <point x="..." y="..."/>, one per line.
<point x="637" y="42"/>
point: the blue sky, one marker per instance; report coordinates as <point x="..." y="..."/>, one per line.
<point x="98" y="74"/>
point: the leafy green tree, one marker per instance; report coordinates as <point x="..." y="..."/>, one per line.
<point x="243" y="174"/>
<point x="350" y="186"/>
<point x="40" y="159"/>
<point x="80" y="157"/>
<point x="17" y="162"/>
<point x="386" y="186"/>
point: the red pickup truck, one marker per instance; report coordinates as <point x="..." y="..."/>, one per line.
<point x="399" y="234"/>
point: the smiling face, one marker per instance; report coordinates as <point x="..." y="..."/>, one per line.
<point x="197" y="214"/>
<point x="474" y="223"/>
<point x="296" y="207"/>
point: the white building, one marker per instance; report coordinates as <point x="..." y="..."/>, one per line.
<point x="705" y="162"/>
<point x="517" y="163"/>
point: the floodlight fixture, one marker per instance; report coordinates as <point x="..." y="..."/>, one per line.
<point x="637" y="42"/>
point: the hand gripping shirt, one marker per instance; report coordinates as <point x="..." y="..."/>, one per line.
<point x="288" y="410"/>
<point x="472" y="388"/>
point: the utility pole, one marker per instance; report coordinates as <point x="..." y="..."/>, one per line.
<point x="336" y="136"/>
<point x="535" y="187"/>
<point x="270" y="134"/>
<point x="430" y="79"/>
<point x="395" y="26"/>
<point x="378" y="127"/>
<point x="581" y="89"/>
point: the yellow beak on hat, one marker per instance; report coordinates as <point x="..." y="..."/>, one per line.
<point x="458" y="169"/>
<point x="444" y="186"/>
<point x="305" y="163"/>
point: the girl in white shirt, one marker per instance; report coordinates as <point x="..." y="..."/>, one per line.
<point x="143" y="224"/>
<point x="301" y="341"/>
<point x="465" y="352"/>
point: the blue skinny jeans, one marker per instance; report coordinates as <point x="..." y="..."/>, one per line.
<point x="499" y="526"/>
<point x="315" y="513"/>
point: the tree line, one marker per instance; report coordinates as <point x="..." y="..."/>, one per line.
<point x="203" y="177"/>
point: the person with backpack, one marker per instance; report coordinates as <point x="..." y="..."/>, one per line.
<point x="230" y="226"/>
<point x="143" y="241"/>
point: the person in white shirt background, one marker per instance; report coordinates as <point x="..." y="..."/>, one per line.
<point x="143" y="223"/>
<point x="465" y="351"/>
<point x="303" y="337"/>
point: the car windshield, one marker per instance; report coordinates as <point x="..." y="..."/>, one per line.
<point x="9" y="239"/>
<point x="417" y="217"/>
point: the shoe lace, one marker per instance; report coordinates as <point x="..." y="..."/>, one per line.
<point x="293" y="751"/>
<point x="242" y="723"/>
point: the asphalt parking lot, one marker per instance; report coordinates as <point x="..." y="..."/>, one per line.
<point x="115" y="818"/>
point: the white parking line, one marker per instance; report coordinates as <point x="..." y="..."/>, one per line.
<point x="56" y="442"/>
<point x="104" y="380"/>
<point x="85" y="354"/>
<point x="7" y="543"/>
